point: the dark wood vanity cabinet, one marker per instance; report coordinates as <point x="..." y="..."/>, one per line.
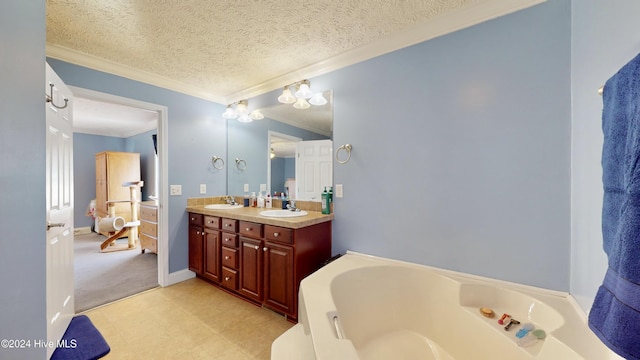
<point x="196" y="243"/>
<point x="264" y="263"/>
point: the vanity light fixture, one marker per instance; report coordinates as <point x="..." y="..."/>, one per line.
<point x="302" y="93"/>
<point x="241" y="112"/>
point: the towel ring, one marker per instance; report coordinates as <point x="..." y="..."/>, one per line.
<point x="49" y="98"/>
<point x="347" y="148"/>
<point x="241" y="164"/>
<point x="217" y="160"/>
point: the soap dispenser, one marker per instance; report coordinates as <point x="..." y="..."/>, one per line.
<point x="326" y="207"/>
<point x="260" y="200"/>
<point x="254" y="199"/>
<point x="267" y="202"/>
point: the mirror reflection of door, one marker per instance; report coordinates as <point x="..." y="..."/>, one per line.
<point x="314" y="168"/>
<point x="281" y="163"/>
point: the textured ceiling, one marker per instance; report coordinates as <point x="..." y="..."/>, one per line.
<point x="224" y="50"/>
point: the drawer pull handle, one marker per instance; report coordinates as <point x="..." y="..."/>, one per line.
<point x="276" y="234"/>
<point x="257" y="247"/>
<point x="193" y="219"/>
<point x="226" y="278"/>
<point x="197" y="232"/>
<point x="227" y="257"/>
<point x="265" y="248"/>
<point x="248" y="229"/>
<point x="227" y="225"/>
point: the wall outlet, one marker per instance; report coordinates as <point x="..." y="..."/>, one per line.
<point x="175" y="190"/>
<point x="339" y="192"/>
<point x="246" y="187"/>
<point x="203" y="188"/>
<point x="263" y="187"/>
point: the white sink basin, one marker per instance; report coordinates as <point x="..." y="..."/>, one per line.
<point x="283" y="213"/>
<point x="223" y="206"/>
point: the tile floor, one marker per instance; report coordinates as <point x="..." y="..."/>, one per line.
<point x="188" y="320"/>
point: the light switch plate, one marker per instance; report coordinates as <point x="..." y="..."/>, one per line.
<point x="246" y="187"/>
<point x="203" y="188"/>
<point x="338" y="191"/>
<point x="263" y="187"/>
<point x="175" y="190"/>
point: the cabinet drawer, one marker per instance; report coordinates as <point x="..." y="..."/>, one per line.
<point x="148" y="242"/>
<point x="229" y="278"/>
<point x="229" y="240"/>
<point x="229" y="257"/>
<point x="149" y="213"/>
<point x="148" y="228"/>
<point x="195" y="219"/>
<point x="250" y="229"/>
<point x="212" y="222"/>
<point x="280" y="234"/>
<point x="230" y="225"/>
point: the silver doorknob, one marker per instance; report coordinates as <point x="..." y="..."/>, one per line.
<point x="50" y="225"/>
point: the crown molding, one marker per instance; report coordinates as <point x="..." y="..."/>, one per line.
<point x="435" y="27"/>
<point x="99" y="64"/>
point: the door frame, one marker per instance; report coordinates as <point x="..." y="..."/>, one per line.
<point x="163" y="162"/>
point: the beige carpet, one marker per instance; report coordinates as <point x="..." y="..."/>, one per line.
<point x="101" y="278"/>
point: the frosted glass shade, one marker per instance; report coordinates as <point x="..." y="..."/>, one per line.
<point x="317" y="99"/>
<point x="301" y="104"/>
<point x="286" y="97"/>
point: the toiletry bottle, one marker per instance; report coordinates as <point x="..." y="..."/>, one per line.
<point x="246" y="200"/>
<point x="260" y="200"/>
<point x="325" y="201"/>
<point x="267" y="202"/>
<point x="254" y="199"/>
<point x="330" y="194"/>
<point x="284" y="201"/>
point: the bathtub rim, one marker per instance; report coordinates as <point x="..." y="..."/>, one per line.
<point x="326" y="347"/>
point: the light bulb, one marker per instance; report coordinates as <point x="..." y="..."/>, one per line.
<point x="317" y="99"/>
<point x="301" y="104"/>
<point x="286" y="97"/>
<point x="229" y="113"/>
<point x="303" y="91"/>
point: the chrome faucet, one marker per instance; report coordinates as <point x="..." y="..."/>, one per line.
<point x="292" y="206"/>
<point x="230" y="200"/>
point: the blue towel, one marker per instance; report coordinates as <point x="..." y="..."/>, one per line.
<point x="615" y="314"/>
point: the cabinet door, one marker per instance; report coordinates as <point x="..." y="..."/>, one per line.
<point x="251" y="268"/>
<point x="278" y="277"/>
<point x="196" y="249"/>
<point x="212" y="255"/>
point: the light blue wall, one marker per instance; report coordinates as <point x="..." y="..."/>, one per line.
<point x="606" y="35"/>
<point x="85" y="148"/>
<point x="196" y="131"/>
<point x="461" y="150"/>
<point x="22" y="160"/>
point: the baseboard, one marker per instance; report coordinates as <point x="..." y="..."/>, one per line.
<point x="180" y="276"/>
<point x="82" y="230"/>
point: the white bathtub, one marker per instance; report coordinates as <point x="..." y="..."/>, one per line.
<point x="364" y="307"/>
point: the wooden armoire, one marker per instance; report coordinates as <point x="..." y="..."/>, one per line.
<point x="112" y="170"/>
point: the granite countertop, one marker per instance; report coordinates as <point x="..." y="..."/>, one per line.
<point x="253" y="214"/>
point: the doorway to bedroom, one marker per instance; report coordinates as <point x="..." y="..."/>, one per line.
<point x="107" y="124"/>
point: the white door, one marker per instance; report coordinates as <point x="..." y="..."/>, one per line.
<point x="314" y="168"/>
<point x="59" y="182"/>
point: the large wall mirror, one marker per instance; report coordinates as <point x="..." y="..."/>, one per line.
<point x="290" y="150"/>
